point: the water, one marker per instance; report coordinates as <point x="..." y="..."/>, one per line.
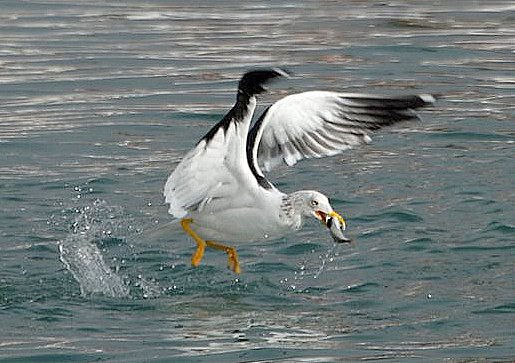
<point x="99" y="100"/>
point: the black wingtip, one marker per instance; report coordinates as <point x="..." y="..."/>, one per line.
<point x="252" y="83"/>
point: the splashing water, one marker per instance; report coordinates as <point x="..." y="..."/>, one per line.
<point x="324" y="260"/>
<point x="85" y="262"/>
<point x="82" y="257"/>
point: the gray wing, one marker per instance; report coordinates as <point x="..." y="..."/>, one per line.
<point x="319" y="123"/>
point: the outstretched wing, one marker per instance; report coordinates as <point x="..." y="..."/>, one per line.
<point x="217" y="167"/>
<point x="205" y="173"/>
<point x="320" y="123"/>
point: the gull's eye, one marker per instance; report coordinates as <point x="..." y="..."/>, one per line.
<point x="314" y="203"/>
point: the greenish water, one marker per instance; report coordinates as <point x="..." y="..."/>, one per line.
<point x="99" y="101"/>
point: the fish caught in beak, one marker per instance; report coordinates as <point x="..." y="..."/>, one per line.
<point x="335" y="223"/>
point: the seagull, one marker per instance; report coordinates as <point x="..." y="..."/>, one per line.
<point x="219" y="190"/>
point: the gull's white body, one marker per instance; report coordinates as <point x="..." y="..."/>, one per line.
<point x="252" y="219"/>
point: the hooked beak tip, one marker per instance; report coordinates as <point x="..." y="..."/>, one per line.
<point x="326" y="218"/>
<point x="339" y="218"/>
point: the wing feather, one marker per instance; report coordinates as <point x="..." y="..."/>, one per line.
<point x="209" y="171"/>
<point x="217" y="167"/>
<point x="320" y="123"/>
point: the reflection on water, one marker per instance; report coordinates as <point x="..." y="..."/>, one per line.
<point x="100" y="100"/>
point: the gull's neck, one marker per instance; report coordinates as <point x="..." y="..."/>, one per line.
<point x="292" y="208"/>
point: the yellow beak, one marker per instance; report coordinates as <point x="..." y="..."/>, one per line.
<point x="323" y="218"/>
<point x="339" y="218"/>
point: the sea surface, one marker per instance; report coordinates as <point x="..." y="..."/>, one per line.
<point x="99" y="100"/>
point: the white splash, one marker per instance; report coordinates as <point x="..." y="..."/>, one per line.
<point x="85" y="262"/>
<point x="324" y="259"/>
<point x="81" y="256"/>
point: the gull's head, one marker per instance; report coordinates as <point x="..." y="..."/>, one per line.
<point x="313" y="203"/>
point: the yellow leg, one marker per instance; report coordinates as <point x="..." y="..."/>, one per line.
<point x="233" y="262"/>
<point x="201" y="244"/>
